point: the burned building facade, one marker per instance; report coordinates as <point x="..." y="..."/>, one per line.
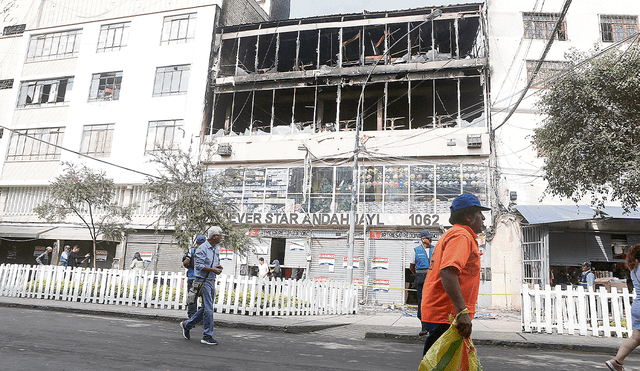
<point x="288" y="100"/>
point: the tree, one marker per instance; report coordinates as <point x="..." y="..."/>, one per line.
<point x="89" y="195"/>
<point x="192" y="198"/>
<point x="591" y="132"/>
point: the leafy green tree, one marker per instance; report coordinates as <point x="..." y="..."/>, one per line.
<point x="591" y="132"/>
<point x="89" y="195"/>
<point x="192" y="198"/>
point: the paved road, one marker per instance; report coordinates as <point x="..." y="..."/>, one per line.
<point x="41" y="340"/>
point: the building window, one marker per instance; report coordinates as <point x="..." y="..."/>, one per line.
<point x="541" y="25"/>
<point x="105" y="86"/>
<point x="54" y="45"/>
<point x="96" y="140"/>
<point x="178" y="29"/>
<point x="44" y="92"/>
<point x="171" y="80"/>
<point x="35" y="144"/>
<point x="616" y="28"/>
<point x="113" y="37"/>
<point x="547" y="71"/>
<point x="163" y="135"/>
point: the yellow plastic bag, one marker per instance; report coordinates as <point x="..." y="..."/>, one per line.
<point x="451" y="352"/>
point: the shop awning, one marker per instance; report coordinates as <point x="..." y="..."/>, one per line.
<point x="23" y="231"/>
<point x="541" y="214"/>
<point x="66" y="233"/>
<point x="618" y="213"/>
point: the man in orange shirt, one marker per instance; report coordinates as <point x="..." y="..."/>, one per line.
<point x="453" y="280"/>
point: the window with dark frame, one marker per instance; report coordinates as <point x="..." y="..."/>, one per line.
<point x="614" y="28"/>
<point x="548" y="70"/>
<point x="171" y="80"/>
<point x="541" y="25"/>
<point x="178" y="29"/>
<point x="35" y="144"/>
<point x="44" y="92"/>
<point x="163" y="136"/>
<point x="113" y="37"/>
<point x="105" y="86"/>
<point x="97" y="140"/>
<point x="54" y="45"/>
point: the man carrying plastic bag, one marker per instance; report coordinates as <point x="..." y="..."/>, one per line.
<point x="451" y="288"/>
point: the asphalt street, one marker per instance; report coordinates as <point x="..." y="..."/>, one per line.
<point x="45" y="340"/>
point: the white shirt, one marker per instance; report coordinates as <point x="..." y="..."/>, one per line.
<point x="263" y="269"/>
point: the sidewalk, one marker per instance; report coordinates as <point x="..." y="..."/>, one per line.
<point x="393" y="326"/>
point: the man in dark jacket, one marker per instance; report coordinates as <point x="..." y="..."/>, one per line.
<point x="74" y="260"/>
<point x="43" y="259"/>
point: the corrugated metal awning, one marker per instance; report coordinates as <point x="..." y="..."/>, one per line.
<point x="66" y="233"/>
<point x="23" y="231"/>
<point x="541" y="214"/>
<point x="618" y="213"/>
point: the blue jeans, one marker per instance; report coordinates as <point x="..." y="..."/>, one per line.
<point x="205" y="313"/>
<point x="192" y="308"/>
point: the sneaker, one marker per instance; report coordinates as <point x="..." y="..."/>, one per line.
<point x="209" y="341"/>
<point x="185" y="331"/>
<point x="423" y="333"/>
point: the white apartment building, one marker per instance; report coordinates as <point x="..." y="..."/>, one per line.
<point x="546" y="235"/>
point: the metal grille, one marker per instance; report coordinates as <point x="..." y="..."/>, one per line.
<point x="535" y="255"/>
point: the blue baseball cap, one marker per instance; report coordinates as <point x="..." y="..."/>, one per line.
<point x="426" y="234"/>
<point x="201" y="239"/>
<point x="467" y="200"/>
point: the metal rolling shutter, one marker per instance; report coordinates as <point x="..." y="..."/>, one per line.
<point x="567" y="249"/>
<point x="262" y="249"/>
<point x="296" y="257"/>
<point x="633" y="239"/>
<point x="598" y="247"/>
<point x="166" y="254"/>
<point x="340" y="248"/>
<point x="395" y="251"/>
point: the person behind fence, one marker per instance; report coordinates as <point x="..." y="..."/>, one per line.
<point x="74" y="260"/>
<point x="263" y="268"/>
<point x="632" y="342"/>
<point x="207" y="267"/>
<point x="137" y="263"/>
<point x="188" y="261"/>
<point x="43" y="259"/>
<point x="587" y="278"/>
<point x="64" y="256"/>
<point x="453" y="280"/>
<point x="277" y="270"/>
<point x="419" y="265"/>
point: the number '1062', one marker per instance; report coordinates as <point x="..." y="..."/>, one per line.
<point x="426" y="219"/>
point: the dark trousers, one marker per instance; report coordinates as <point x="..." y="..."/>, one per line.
<point x="419" y="282"/>
<point x="435" y="331"/>
<point x="192" y="308"/>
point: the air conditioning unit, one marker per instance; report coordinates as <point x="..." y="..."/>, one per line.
<point x="474" y="141"/>
<point x="224" y="149"/>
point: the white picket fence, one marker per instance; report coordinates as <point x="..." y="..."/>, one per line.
<point x="575" y="310"/>
<point x="240" y="294"/>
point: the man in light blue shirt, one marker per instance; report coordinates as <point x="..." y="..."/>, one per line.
<point x="207" y="267"/>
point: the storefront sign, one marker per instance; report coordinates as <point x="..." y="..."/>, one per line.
<point x="395" y="235"/>
<point x="327" y="259"/>
<point x="226" y="254"/>
<point x="282" y="233"/>
<point x="380" y="285"/>
<point x="380" y="263"/>
<point x="338" y="219"/>
<point x="146" y="256"/>
<point x="356" y="262"/>
<point x="101" y="255"/>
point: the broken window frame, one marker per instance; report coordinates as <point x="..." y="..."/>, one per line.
<point x="50" y="92"/>
<point x="162" y="136"/>
<point x="35" y="144"/>
<point x="627" y="26"/>
<point x="54" y="45"/>
<point x="97" y="140"/>
<point x="105" y="86"/>
<point x="178" y="29"/>
<point x="548" y="70"/>
<point x="541" y="25"/>
<point x="113" y="37"/>
<point x="171" y="80"/>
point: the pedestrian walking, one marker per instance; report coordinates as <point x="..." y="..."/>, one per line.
<point x="453" y="281"/>
<point x="188" y="261"/>
<point x="43" y="259"/>
<point x="632" y="342"/>
<point x="207" y="267"/>
<point x="277" y="270"/>
<point x="419" y="266"/>
<point x="65" y="255"/>
<point x="263" y="268"/>
<point x="137" y="263"/>
<point x="74" y="260"/>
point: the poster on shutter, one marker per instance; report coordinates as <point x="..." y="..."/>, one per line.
<point x="327" y="259"/>
<point x="380" y="285"/>
<point x="146" y="256"/>
<point x="101" y="255"/>
<point x="226" y="254"/>
<point x="296" y="246"/>
<point x="356" y="262"/>
<point x="380" y="263"/>
<point x="38" y="250"/>
<point x="357" y="281"/>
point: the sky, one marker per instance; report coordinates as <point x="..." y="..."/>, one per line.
<point x="308" y="8"/>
